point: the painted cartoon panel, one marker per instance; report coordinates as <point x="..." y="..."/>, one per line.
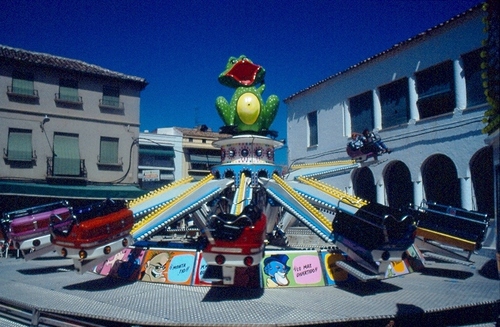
<point x="125" y="264"/>
<point x="332" y="273"/>
<point x="172" y="267"/>
<point x="201" y="267"/>
<point x="292" y="269"/>
<point x="406" y="266"/>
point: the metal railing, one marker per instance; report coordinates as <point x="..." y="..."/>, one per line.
<point x="68" y="98"/>
<point x="111" y="104"/>
<point x="28" y="316"/>
<point x="24" y="92"/>
<point x="51" y="174"/>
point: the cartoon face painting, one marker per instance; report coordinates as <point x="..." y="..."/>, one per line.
<point x="276" y="268"/>
<point x="155" y="268"/>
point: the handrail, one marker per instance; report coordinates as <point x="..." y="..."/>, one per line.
<point x="32" y="316"/>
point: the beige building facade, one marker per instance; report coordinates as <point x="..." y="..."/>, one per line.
<point x="68" y="129"/>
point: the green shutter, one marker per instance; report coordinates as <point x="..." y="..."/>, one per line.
<point x="109" y="151"/>
<point x="20" y="147"/>
<point x="111" y="96"/>
<point x="205" y="159"/>
<point x="68" y="94"/>
<point x="163" y="152"/>
<point x="22" y="86"/>
<point x="66" y="155"/>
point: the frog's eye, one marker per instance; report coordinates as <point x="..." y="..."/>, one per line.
<point x="233" y="61"/>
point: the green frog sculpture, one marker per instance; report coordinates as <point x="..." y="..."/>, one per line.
<point x="246" y="112"/>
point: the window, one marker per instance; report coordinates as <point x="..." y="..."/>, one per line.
<point x="361" y="110"/>
<point x="19" y="147"/>
<point x="111" y="97"/>
<point x="23" y="84"/>
<point x="66" y="160"/>
<point x="473" y="80"/>
<point x="436" y="90"/>
<point x="394" y="103"/>
<point x="108" y="153"/>
<point x="312" y="123"/>
<point x="203" y="159"/>
<point x="68" y="91"/>
<point x="156" y="156"/>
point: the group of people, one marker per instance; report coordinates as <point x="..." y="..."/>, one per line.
<point x="368" y="142"/>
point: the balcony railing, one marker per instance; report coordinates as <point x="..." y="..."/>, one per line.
<point x="22" y="92"/>
<point x="68" y="99"/>
<point x="111" y="104"/>
<point x="19" y="155"/>
<point x="77" y="173"/>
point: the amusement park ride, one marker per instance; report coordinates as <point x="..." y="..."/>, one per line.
<point x="246" y="203"/>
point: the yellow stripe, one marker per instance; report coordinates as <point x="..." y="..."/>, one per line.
<point x="159" y="191"/>
<point x="315" y="212"/>
<point x="448" y="239"/>
<point x="335" y="192"/>
<point x="241" y="195"/>
<point x="170" y="204"/>
<point x="323" y="164"/>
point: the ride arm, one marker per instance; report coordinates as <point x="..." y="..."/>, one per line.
<point x="187" y="202"/>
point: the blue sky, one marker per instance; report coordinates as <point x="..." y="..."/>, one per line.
<point x="180" y="47"/>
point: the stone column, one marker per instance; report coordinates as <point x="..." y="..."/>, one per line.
<point x="381" y="192"/>
<point x="377" y="110"/>
<point x="347" y="118"/>
<point x="460" y="88"/>
<point x="417" y="192"/>
<point x="412" y="99"/>
<point x="466" y="192"/>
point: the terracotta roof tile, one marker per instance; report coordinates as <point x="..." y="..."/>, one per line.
<point x="48" y="60"/>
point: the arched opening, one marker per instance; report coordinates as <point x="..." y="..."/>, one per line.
<point x="481" y="168"/>
<point x="247" y="173"/>
<point x="399" y="188"/>
<point x="364" y="184"/>
<point x="262" y="174"/>
<point x="440" y="179"/>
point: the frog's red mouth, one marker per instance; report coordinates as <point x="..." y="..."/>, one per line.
<point x="244" y="72"/>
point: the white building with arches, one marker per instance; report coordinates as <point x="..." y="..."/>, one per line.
<point x="425" y="98"/>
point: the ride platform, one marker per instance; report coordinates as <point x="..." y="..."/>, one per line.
<point x="441" y="294"/>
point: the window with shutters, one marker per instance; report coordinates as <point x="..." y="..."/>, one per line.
<point x="23" y="86"/>
<point x="473" y="79"/>
<point x="68" y="92"/>
<point x="436" y="90"/>
<point x="108" y="151"/>
<point x="361" y="110"/>
<point x="66" y="158"/>
<point x="110" y="98"/>
<point x="19" y="145"/>
<point x="394" y="103"/>
<point x="312" y="125"/>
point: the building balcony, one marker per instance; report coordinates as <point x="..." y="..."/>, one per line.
<point x="68" y="99"/>
<point x="19" y="156"/>
<point x="66" y="169"/>
<point x="111" y="104"/>
<point x="22" y="94"/>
